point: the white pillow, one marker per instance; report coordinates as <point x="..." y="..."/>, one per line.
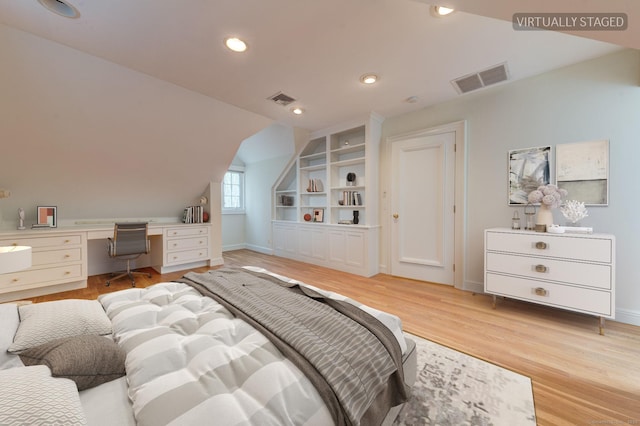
<point x="9" y="322"/>
<point x="43" y="322"/>
<point x="30" y="396"/>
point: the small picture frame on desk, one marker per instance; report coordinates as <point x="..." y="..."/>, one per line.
<point x="47" y="216"/>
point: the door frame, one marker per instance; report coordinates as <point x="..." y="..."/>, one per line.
<point x="460" y="129"/>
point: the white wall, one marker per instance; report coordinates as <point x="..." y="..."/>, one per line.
<point x="98" y="140"/>
<point x="597" y="99"/>
<point x="264" y="156"/>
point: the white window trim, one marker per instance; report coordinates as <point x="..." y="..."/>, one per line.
<point x="239" y="169"/>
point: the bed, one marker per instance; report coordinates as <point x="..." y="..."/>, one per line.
<point x="236" y="346"/>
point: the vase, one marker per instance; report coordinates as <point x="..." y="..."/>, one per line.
<point x="545" y="216"/>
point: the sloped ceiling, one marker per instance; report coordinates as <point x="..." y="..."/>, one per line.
<point x="146" y="88"/>
<point x="315" y="51"/>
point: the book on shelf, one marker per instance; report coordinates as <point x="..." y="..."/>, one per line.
<point x="193" y="214"/>
<point x="315" y="185"/>
<point x="351" y="198"/>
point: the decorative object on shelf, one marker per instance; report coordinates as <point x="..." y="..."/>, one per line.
<point x="555" y="229"/>
<point x="21" y="219"/>
<point x="307" y="217"/>
<point x="356" y="217"/>
<point x="515" y="220"/>
<point x="345" y="222"/>
<point x="47" y="216"/>
<point x="528" y="169"/>
<point x="351" y="179"/>
<point x="318" y="215"/>
<point x="550" y="197"/>
<point x="529" y="213"/>
<point x="286" y="200"/>
<point x="574" y="211"/>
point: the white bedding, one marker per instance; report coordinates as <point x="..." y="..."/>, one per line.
<point x="188" y="357"/>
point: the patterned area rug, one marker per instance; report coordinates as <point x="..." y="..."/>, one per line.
<point x="456" y="389"/>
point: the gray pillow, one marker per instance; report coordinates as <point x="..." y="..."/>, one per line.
<point x="30" y="396"/>
<point x="88" y="360"/>
<point x="42" y="322"/>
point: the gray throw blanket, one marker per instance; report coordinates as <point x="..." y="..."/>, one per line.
<point x="353" y="360"/>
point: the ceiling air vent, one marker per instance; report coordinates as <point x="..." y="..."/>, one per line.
<point x="488" y="77"/>
<point x="281" y="99"/>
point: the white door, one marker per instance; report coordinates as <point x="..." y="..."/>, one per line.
<point x="422" y="206"/>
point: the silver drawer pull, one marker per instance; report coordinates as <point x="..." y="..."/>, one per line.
<point x="540" y="268"/>
<point x="539" y="291"/>
<point x="541" y="245"/>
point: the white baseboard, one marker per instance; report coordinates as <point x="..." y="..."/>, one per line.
<point x="473" y="286"/>
<point x="234" y="247"/>
<point x="260" y="249"/>
<point x="628" y="316"/>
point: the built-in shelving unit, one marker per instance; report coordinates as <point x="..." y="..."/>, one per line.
<point x="331" y="184"/>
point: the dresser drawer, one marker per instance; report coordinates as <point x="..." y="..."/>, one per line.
<point x="48" y="257"/>
<point x="563" y="296"/>
<point x="186" y="231"/>
<point x="39" y="278"/>
<point x="178" y="244"/>
<point x="44" y="242"/>
<point x="578" y="273"/>
<point x="542" y="244"/>
<point x="179" y="257"/>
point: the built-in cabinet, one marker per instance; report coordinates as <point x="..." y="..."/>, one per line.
<point x="181" y="247"/>
<point x="326" y="201"/>
<point x="59" y="263"/>
<point x="568" y="271"/>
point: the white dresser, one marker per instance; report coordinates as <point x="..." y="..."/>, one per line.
<point x="567" y="271"/>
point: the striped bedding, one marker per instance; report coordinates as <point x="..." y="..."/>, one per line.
<point x="190" y="361"/>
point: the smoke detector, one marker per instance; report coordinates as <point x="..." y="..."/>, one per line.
<point x="490" y="76"/>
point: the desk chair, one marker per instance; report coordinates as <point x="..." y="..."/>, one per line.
<point x="130" y="241"/>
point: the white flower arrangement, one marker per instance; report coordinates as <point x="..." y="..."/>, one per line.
<point x="547" y="195"/>
<point x="574" y="211"/>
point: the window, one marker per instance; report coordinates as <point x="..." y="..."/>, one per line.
<point x="233" y="192"/>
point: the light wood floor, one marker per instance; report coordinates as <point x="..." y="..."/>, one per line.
<point x="579" y="377"/>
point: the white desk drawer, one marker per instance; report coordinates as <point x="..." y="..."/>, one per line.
<point x="39" y="278"/>
<point x="178" y="257"/>
<point x="38" y="242"/>
<point x="48" y="257"/>
<point x="562" y="296"/>
<point x="543" y="244"/>
<point x="177" y="244"/>
<point x="186" y="231"/>
<point x="587" y="274"/>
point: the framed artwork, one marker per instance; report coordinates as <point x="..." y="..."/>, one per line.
<point x="529" y="168"/>
<point x="583" y="170"/>
<point x="318" y="215"/>
<point x="48" y="215"/>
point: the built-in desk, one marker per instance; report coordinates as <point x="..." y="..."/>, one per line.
<point x="63" y="256"/>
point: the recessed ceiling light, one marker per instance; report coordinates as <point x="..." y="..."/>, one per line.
<point x="61" y="8"/>
<point x="368" y="78"/>
<point x="297" y="110"/>
<point x="235" y="44"/>
<point x="440" y="11"/>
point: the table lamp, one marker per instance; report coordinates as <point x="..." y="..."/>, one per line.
<point x="14" y="258"/>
